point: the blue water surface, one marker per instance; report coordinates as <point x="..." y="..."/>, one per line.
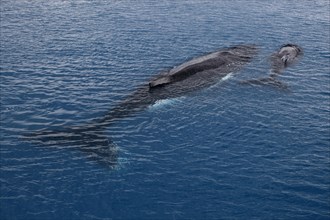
<point x="231" y="151"/>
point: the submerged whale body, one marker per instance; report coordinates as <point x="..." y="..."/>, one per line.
<point x="191" y="76"/>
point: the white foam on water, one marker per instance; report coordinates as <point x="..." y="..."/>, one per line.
<point x="228" y="76"/>
<point x="165" y="102"/>
<point x="123" y="162"/>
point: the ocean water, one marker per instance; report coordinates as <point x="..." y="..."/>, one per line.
<point x="231" y="151"/>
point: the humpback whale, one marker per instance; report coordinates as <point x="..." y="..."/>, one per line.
<point x="286" y="56"/>
<point x="191" y="76"/>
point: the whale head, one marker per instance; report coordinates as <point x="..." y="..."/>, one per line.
<point x="287" y="55"/>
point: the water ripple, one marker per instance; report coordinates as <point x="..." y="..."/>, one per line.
<point x="230" y="151"/>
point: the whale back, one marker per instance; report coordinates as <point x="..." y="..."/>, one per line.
<point x="219" y="60"/>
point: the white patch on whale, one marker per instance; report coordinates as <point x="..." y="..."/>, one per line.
<point x="225" y="78"/>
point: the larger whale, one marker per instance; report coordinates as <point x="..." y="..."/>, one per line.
<point x="194" y="75"/>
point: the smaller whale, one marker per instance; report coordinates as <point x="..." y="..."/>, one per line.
<point x="287" y="55"/>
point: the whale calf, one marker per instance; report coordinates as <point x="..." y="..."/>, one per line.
<point x="287" y="55"/>
<point x="284" y="57"/>
<point x="191" y="76"/>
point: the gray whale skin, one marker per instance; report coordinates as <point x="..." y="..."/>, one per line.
<point x="218" y="63"/>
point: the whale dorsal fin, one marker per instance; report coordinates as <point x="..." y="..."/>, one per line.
<point x="160" y="81"/>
